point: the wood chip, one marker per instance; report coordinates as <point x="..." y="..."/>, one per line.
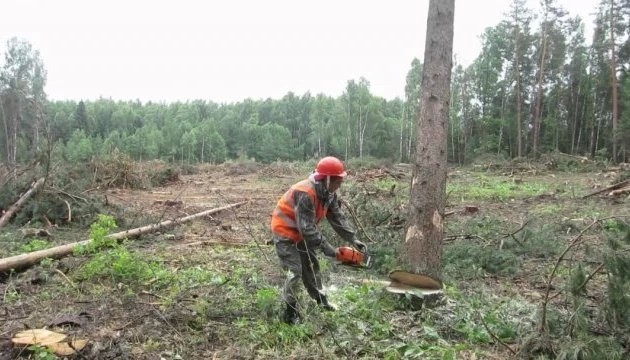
<point x="37" y="337"/>
<point x="66" y="349"/>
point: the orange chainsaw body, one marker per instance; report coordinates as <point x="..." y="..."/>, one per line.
<point x="351" y="256"/>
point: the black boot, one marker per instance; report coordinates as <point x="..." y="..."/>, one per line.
<point x="323" y="302"/>
<point x="291" y="315"/>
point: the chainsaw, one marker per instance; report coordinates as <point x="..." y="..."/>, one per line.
<point x="347" y="255"/>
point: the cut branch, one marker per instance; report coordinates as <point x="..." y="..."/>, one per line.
<point x="609" y="188"/>
<point x="574" y="242"/>
<point x="7" y="215"/>
<point x="28" y="259"/>
<point x="620" y="191"/>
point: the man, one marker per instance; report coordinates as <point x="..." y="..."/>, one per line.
<point x="297" y="237"/>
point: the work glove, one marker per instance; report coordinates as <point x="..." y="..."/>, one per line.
<point x="328" y="249"/>
<point x="359" y="245"/>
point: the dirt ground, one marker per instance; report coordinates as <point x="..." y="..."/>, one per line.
<point x="123" y="325"/>
<point x="211" y="188"/>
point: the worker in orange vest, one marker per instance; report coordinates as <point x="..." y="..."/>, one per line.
<point x="297" y="237"/>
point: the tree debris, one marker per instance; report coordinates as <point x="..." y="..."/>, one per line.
<point x="50" y="339"/>
<point x="620" y="185"/>
<point x="28" y="259"/>
<point x="10" y="211"/>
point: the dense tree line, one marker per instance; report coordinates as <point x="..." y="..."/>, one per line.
<point x="535" y="87"/>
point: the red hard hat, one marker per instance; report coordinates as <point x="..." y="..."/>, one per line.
<point x="330" y="166"/>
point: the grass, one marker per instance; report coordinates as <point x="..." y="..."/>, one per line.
<point x="495" y="189"/>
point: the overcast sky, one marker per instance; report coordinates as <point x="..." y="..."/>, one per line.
<point x="227" y="51"/>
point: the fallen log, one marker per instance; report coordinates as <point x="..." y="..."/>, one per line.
<point x="609" y="188"/>
<point x="10" y="211"/>
<point x="620" y="191"/>
<point x="210" y="243"/>
<point x="29" y="259"/>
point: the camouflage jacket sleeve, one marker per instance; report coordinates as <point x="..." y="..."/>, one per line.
<point x="306" y="220"/>
<point x="338" y="220"/>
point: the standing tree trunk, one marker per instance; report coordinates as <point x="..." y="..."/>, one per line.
<point x="613" y="80"/>
<point x="539" y="94"/>
<point x="425" y="230"/>
<point x="592" y="148"/>
<point x="363" y="119"/>
<point x="411" y="134"/>
<point x="402" y="128"/>
<point x="11" y="124"/>
<point x="203" y="147"/>
<point x="519" y="136"/>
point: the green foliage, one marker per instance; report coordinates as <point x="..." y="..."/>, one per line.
<point x="128" y="267"/>
<point x="268" y="143"/>
<point x="34" y="245"/>
<point x="216" y="151"/>
<point x="42" y="353"/>
<point x="545" y="209"/>
<point x="276" y="335"/>
<point x="494" y="188"/>
<point x="357" y="124"/>
<point x="267" y="301"/>
<point x="115" y="261"/>
<point x="164" y="176"/>
<point x="617" y="263"/>
<point x="577" y="281"/>
<point x="387" y="184"/>
<point x="11" y="295"/>
<point x="468" y="261"/>
<point x="99" y="232"/>
<point x="590" y="349"/>
<point x="367" y="162"/>
<point x="79" y="148"/>
<point x="539" y="243"/>
<point x="571" y="337"/>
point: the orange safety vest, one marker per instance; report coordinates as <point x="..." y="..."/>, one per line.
<point x="283" y="221"/>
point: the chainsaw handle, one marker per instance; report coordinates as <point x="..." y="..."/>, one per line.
<point x="359" y="245"/>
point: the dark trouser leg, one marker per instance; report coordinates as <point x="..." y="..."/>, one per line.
<point x="311" y="276"/>
<point x="291" y="264"/>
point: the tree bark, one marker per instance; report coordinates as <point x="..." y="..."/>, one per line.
<point x="608" y="188"/>
<point x="15" y="207"/>
<point x="539" y="94"/>
<point x="613" y="79"/>
<point x="28" y="259"/>
<point x="425" y="230"/>
<point x="517" y="73"/>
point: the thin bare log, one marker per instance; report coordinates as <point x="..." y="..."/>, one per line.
<point x="69" y="211"/>
<point x="514" y="233"/>
<point x="609" y="188"/>
<point x="210" y="243"/>
<point x="29" y="259"/>
<point x="494" y="336"/>
<point x="15" y="207"/>
<point x="620" y="191"/>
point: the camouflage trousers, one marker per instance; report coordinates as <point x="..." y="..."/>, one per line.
<point x="299" y="263"/>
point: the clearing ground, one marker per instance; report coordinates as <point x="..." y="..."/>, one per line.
<point x="209" y="289"/>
